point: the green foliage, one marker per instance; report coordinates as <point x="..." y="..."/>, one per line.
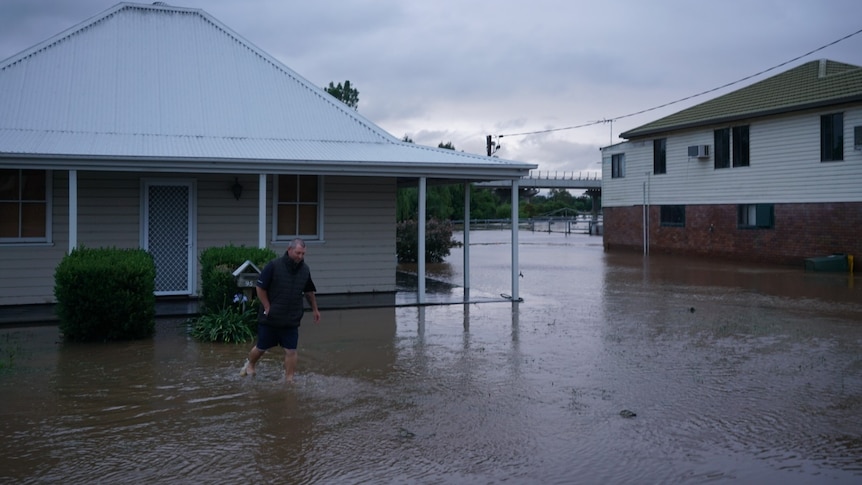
<point x="483" y="204"/>
<point x="228" y="314"/>
<point x="439" y="203"/>
<point x="345" y="93"/>
<point x="232" y="324"/>
<point x="438" y="241"/>
<point x="406" y="204"/>
<point x="218" y="286"/>
<point x="446" y="202"/>
<point x="106" y="294"/>
<point x="503" y="211"/>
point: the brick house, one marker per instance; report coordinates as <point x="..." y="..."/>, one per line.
<point x="771" y="172"/>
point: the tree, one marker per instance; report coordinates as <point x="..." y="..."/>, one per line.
<point x="345" y="93"/>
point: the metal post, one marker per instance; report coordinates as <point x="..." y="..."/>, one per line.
<point x="73" y="209"/>
<point x="420" y="254"/>
<point x="467" y="235"/>
<point x="261" y="211"/>
<point x="643" y="217"/>
<point x="515" y="263"/>
<point x="646" y="213"/>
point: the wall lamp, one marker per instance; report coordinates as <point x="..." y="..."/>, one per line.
<point x="236" y="188"/>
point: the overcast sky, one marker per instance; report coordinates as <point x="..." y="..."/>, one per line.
<point x="458" y="70"/>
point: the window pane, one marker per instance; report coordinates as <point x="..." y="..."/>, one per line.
<point x="8" y="185"/>
<point x="659" y="156"/>
<point x="308" y="188"/>
<point x="33" y="219"/>
<point x="756" y="215"/>
<point x="672" y="215"/>
<point x="750" y="215"/>
<point x="618" y="164"/>
<point x="740" y="146"/>
<point x="832" y="137"/>
<point x="8" y="219"/>
<point x="722" y="148"/>
<point x="764" y="215"/>
<point x="286" y="220"/>
<point x="838" y="136"/>
<point x="308" y="220"/>
<point x="23" y="203"/>
<point x="287" y="188"/>
<point x="299" y="208"/>
<point x="825" y="136"/>
<point x="33" y="182"/>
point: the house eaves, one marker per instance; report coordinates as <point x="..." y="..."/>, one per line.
<point x="152" y="87"/>
<point x="812" y="85"/>
<point x="473" y="172"/>
<point x="113" y="153"/>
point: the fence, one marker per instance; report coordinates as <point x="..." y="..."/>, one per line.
<point x="562" y="225"/>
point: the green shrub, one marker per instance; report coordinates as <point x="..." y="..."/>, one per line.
<point x="106" y="294"/>
<point x="227" y="313"/>
<point x="236" y="323"/>
<point x="218" y="286"/>
<point x="438" y="241"/>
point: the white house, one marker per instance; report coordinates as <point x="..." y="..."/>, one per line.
<point x="771" y="172"/>
<point x="158" y="127"/>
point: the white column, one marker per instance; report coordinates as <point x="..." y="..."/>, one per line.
<point x="261" y="211"/>
<point x="73" y="209"/>
<point x="420" y="253"/>
<point x="466" y="235"/>
<point x="515" y="269"/>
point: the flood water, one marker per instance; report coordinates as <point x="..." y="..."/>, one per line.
<point x="736" y="373"/>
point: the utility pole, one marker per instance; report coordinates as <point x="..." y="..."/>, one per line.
<point x="490" y="146"/>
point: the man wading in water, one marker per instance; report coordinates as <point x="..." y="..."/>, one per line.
<point x="280" y="288"/>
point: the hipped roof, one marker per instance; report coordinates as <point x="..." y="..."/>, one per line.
<point x="162" y="88"/>
<point x="815" y="84"/>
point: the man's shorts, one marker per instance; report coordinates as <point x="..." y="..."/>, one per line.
<point x="268" y="337"/>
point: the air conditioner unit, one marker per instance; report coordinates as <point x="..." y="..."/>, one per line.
<point x="698" y="151"/>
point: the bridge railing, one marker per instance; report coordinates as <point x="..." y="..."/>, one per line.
<point x="557" y="175"/>
<point x="583" y="223"/>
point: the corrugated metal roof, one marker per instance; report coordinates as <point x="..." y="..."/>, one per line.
<point x="811" y="85"/>
<point x="155" y="81"/>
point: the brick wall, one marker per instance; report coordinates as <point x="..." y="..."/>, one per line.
<point x="800" y="231"/>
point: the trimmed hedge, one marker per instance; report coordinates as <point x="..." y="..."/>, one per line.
<point x="106" y="294"/>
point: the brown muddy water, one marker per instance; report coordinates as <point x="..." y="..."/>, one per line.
<point x="736" y="373"/>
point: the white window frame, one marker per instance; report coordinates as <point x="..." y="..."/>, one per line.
<point x="49" y="214"/>
<point x="275" y="208"/>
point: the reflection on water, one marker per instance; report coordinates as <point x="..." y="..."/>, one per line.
<point x="736" y="374"/>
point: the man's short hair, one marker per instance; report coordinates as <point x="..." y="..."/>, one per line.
<point x="296" y="243"/>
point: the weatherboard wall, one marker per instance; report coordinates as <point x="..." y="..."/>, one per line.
<point x="785" y="167"/>
<point x="357" y="253"/>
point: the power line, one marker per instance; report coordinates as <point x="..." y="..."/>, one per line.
<point x="746" y="78"/>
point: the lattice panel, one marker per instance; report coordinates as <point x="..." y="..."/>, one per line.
<point x="168" y="239"/>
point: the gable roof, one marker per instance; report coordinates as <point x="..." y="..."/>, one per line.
<point x="163" y="88"/>
<point x="811" y="85"/>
